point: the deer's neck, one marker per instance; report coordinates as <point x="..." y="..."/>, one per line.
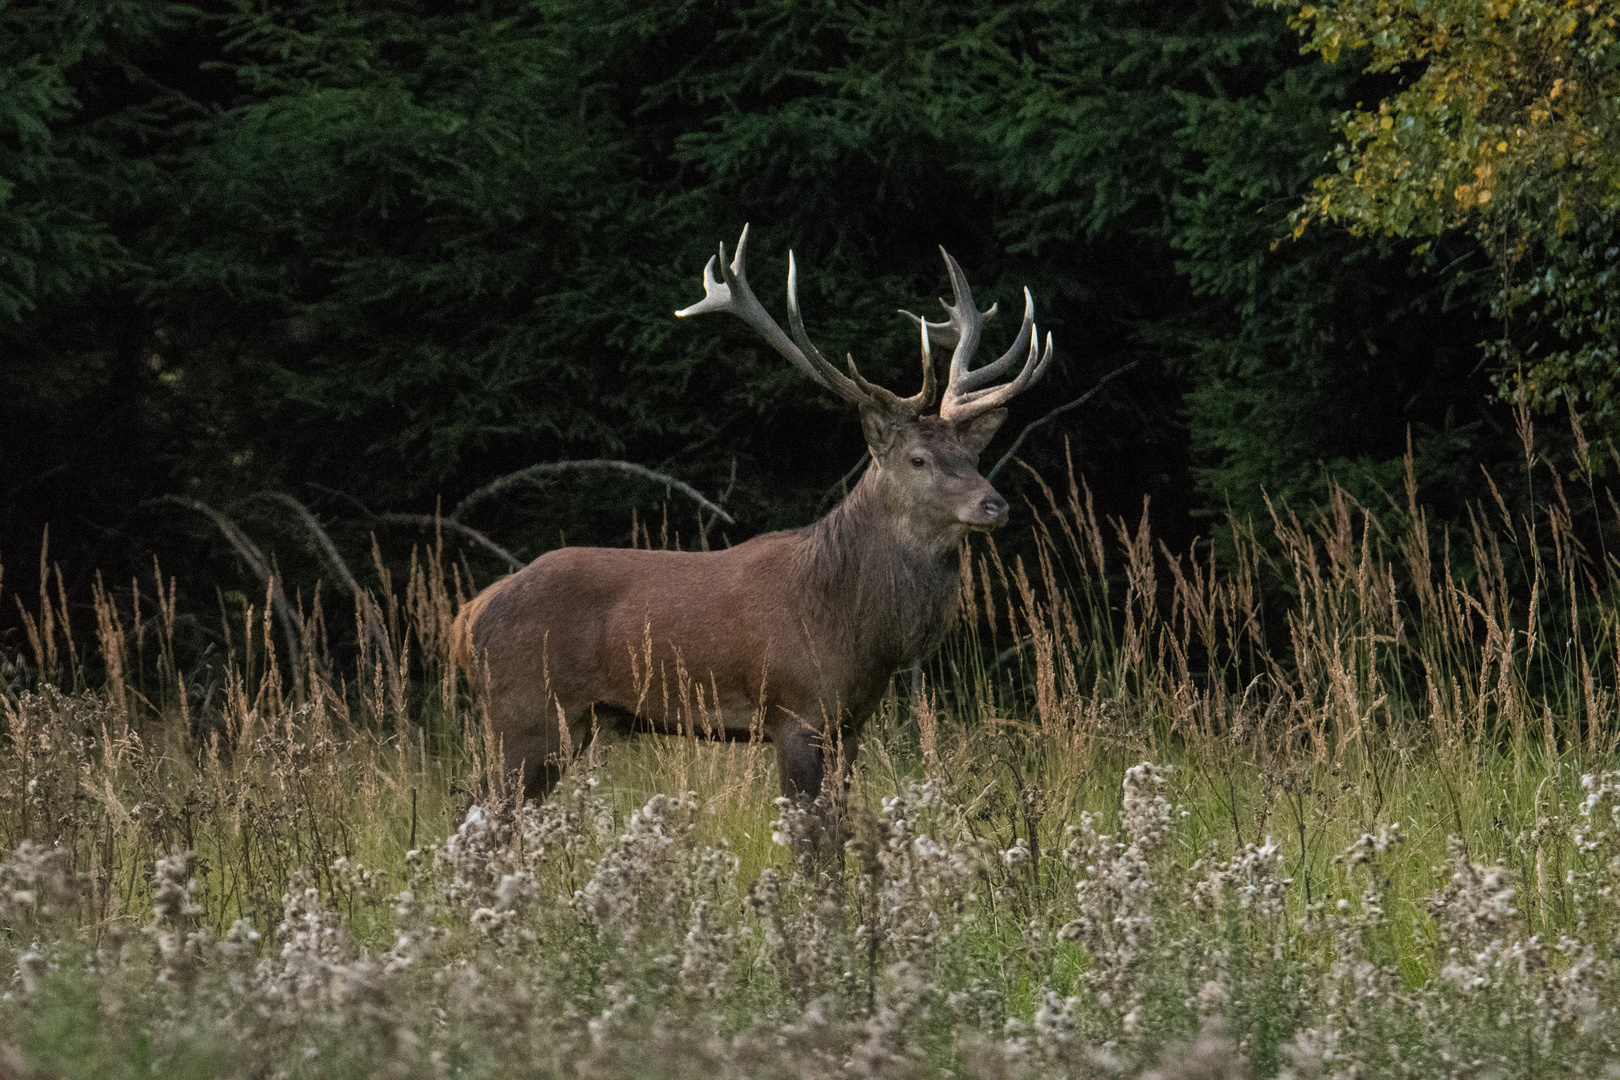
<point x="887" y="598"/>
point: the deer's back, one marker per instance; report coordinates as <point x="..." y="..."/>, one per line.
<point x="596" y="622"/>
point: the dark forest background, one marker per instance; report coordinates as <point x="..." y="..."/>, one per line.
<point x="375" y="255"/>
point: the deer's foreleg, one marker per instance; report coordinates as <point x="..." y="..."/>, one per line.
<point x="804" y="754"/>
<point x="847" y="742"/>
<point x="541" y="736"/>
<point x="800" y="751"/>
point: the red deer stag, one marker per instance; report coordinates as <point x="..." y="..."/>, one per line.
<point x="793" y="634"/>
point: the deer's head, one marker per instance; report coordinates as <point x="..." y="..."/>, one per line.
<point x="925" y="468"/>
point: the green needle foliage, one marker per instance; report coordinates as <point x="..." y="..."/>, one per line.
<point x="376" y="255"/>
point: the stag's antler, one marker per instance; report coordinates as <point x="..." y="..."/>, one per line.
<point x="733" y="294"/>
<point x="969" y="393"/>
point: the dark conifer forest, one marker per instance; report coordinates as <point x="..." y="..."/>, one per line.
<point x="1275" y="734"/>
<point x="376" y="255"/>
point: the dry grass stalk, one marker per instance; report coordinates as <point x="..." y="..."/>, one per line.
<point x="1460" y="682"/>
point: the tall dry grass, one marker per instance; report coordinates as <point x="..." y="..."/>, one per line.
<point x="1379" y="796"/>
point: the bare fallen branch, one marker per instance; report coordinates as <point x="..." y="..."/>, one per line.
<point x="1054" y="414"/>
<point x="291" y="621"/>
<point x="731" y="483"/>
<point x="430" y="521"/>
<point x="375" y="626"/>
<point x="841" y="488"/>
<point x="533" y="474"/>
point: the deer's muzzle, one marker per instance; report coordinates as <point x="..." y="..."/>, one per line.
<point x="987" y="513"/>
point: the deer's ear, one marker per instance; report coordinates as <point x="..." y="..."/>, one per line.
<point x="977" y="432"/>
<point x="882" y="429"/>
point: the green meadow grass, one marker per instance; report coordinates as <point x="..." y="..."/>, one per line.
<point x="1376" y="837"/>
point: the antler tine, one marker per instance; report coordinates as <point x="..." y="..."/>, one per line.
<point x="856" y="386"/>
<point x="981" y="377"/>
<point x="853" y="387"/>
<point x="734" y="295"/>
<point x="944" y="334"/>
<point x="969" y="393"/>
<point x="924" y="397"/>
<point x="966" y="406"/>
<point x="965" y="319"/>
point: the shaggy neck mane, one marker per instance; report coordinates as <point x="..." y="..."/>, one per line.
<point x="876" y="593"/>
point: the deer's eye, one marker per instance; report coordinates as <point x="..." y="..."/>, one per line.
<point x="918" y="461"/>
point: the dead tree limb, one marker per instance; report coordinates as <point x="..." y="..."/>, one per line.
<point x="430" y="521"/>
<point x="731" y="484"/>
<point x="1053" y="415"/>
<point x="841" y="488"/>
<point x="375" y="625"/>
<point x="534" y="473"/>
<point x="292" y="622"/>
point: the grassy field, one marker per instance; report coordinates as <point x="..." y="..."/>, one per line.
<point x="1338" y="802"/>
